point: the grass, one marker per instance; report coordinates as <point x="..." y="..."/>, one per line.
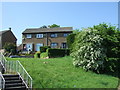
<point x="60" y="73"/>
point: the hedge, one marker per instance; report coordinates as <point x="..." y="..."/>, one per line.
<point x="44" y="48"/>
<point x="57" y="52"/>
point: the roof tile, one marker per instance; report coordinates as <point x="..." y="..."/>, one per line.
<point x="44" y="30"/>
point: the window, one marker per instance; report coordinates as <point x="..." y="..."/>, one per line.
<point x="39" y="35"/>
<point x="53" y="35"/>
<point x="65" y="34"/>
<point x="28" y="36"/>
<point x="54" y="45"/>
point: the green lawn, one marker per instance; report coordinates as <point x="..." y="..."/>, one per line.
<point x="60" y="73"/>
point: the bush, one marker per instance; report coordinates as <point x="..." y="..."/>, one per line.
<point x="44" y="48"/>
<point x="112" y="65"/>
<point x="37" y="55"/>
<point x="57" y="52"/>
<point x="70" y="40"/>
<point x="44" y="55"/>
<point x="88" y="51"/>
<point x="111" y="35"/>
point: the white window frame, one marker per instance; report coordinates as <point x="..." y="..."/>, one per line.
<point x="53" y="35"/>
<point x="28" y="36"/>
<point x="39" y="35"/>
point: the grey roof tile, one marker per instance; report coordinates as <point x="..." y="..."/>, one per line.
<point x="44" y="30"/>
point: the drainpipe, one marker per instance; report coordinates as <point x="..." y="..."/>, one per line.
<point x="47" y="39"/>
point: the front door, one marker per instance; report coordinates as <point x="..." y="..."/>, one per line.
<point x="38" y="45"/>
<point x="64" y="45"/>
<point x="29" y="46"/>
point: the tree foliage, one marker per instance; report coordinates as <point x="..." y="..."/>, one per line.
<point x="70" y="40"/>
<point x="53" y="25"/>
<point x="111" y="35"/>
<point x="10" y="47"/>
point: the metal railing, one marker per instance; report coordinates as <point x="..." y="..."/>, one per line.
<point x="24" y="74"/>
<point x="3" y="61"/>
<point x="15" y="67"/>
<point x="2" y="81"/>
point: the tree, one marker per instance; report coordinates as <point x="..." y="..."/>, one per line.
<point x="10" y="47"/>
<point x="53" y="25"/>
<point x="88" y="51"/>
<point x="111" y="35"/>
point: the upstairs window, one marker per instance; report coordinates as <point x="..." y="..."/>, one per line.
<point x="28" y="36"/>
<point x="39" y="35"/>
<point x="65" y="34"/>
<point x="53" y="35"/>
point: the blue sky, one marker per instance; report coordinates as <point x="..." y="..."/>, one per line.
<point x="22" y="15"/>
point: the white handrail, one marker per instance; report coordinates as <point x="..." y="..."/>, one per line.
<point x="3" y="60"/>
<point x="26" y="81"/>
<point x="3" y="83"/>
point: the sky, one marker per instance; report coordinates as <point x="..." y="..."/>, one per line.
<point x="22" y="15"/>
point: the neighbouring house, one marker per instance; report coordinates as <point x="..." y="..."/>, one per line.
<point x="7" y="36"/>
<point x="34" y="38"/>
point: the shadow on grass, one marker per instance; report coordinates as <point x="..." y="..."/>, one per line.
<point x="112" y="68"/>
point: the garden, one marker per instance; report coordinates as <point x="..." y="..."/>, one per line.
<point x="92" y="60"/>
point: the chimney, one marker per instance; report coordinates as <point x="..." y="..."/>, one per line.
<point x="9" y="28"/>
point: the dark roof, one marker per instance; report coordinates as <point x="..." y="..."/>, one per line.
<point x="44" y="30"/>
<point x="1" y="32"/>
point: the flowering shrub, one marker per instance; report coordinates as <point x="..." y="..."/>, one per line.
<point x="88" y="52"/>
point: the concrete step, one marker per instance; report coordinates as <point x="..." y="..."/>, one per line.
<point x="11" y="78"/>
<point x="16" y="88"/>
<point x="9" y="75"/>
<point x="13" y="82"/>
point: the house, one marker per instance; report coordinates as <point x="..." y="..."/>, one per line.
<point x="7" y="36"/>
<point x="34" y="38"/>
